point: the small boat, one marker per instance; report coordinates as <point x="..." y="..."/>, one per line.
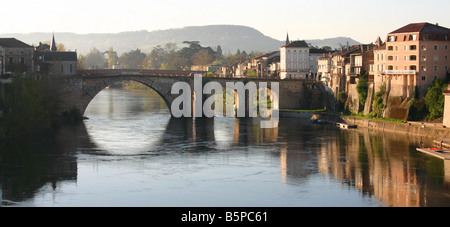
<point x="317" y="122"/>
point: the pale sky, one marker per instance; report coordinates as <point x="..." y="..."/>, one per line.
<point x="361" y="20"/>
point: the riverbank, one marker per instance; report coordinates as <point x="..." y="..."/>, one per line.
<point x="423" y="129"/>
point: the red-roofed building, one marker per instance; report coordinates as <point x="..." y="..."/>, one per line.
<point x="416" y="55"/>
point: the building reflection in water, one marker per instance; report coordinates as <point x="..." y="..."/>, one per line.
<point x="380" y="165"/>
<point x="387" y="167"/>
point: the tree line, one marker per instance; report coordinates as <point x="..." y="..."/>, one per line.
<point x="167" y="57"/>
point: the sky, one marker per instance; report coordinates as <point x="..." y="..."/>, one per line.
<point x="361" y="20"/>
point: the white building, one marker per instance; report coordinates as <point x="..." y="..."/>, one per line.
<point x="295" y="61"/>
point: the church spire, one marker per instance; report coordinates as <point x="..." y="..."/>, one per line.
<point x="287" y="39"/>
<point x="53" y="46"/>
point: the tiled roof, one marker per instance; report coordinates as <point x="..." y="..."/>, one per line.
<point x="12" y="42"/>
<point x="296" y="44"/>
<point x="60" y="56"/>
<point x="423" y="28"/>
<point x="318" y="51"/>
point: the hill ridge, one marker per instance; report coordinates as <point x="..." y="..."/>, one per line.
<point x="229" y="37"/>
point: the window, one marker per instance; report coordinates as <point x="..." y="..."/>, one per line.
<point x="412" y="57"/>
<point x="424" y="68"/>
<point x="392" y="38"/>
<point x="436" y="68"/>
<point x="426" y="37"/>
<point x="412" y="67"/>
<point x="71" y="69"/>
<point x="424" y="47"/>
<point x="436" y="47"/>
<point x="390" y="58"/>
<point x="424" y="78"/>
<point x="62" y="68"/>
<point x="390" y="67"/>
<point x="412" y="37"/>
<point x="22" y="61"/>
<point x="390" y="48"/>
<point x="413" y="47"/>
<point x="424" y="58"/>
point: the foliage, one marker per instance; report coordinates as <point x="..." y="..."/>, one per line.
<point x="377" y="105"/>
<point x="94" y="60"/>
<point x="251" y="73"/>
<point x="434" y="99"/>
<point x="132" y="59"/>
<point x="28" y="107"/>
<point x="362" y="87"/>
<point x="342" y="97"/>
<point x="112" y="58"/>
<point x="418" y="110"/>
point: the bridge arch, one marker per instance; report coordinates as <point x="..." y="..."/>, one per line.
<point x="92" y="86"/>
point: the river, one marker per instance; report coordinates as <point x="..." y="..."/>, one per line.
<point x="130" y="152"/>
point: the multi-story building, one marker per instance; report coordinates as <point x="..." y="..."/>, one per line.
<point x="17" y="56"/>
<point x="378" y="67"/>
<point x="314" y="55"/>
<point x="53" y="62"/>
<point x="416" y="55"/>
<point x="324" y="69"/>
<point x="294" y="60"/>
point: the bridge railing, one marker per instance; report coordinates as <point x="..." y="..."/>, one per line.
<point x="146" y="72"/>
<point x="143" y="72"/>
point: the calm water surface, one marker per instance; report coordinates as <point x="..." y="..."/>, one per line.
<point x="131" y="153"/>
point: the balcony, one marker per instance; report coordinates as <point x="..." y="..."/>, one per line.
<point x="400" y="72"/>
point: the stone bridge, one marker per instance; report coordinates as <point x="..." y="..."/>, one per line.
<point x="76" y="92"/>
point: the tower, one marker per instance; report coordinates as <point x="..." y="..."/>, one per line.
<point x="53" y="46"/>
<point x="287" y="39"/>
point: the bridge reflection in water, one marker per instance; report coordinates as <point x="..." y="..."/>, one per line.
<point x="380" y="167"/>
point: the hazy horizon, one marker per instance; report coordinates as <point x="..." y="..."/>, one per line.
<point x="361" y="20"/>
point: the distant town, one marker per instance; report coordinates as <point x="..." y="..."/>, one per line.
<point x="381" y="79"/>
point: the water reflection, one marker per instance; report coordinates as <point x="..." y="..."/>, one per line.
<point x="297" y="164"/>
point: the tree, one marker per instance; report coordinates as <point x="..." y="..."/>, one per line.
<point x="202" y="58"/>
<point x="362" y="87"/>
<point x="132" y="60"/>
<point x="219" y="53"/>
<point x="29" y="107"/>
<point x="112" y="58"/>
<point x="434" y="99"/>
<point x="155" y="58"/>
<point x="95" y="60"/>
